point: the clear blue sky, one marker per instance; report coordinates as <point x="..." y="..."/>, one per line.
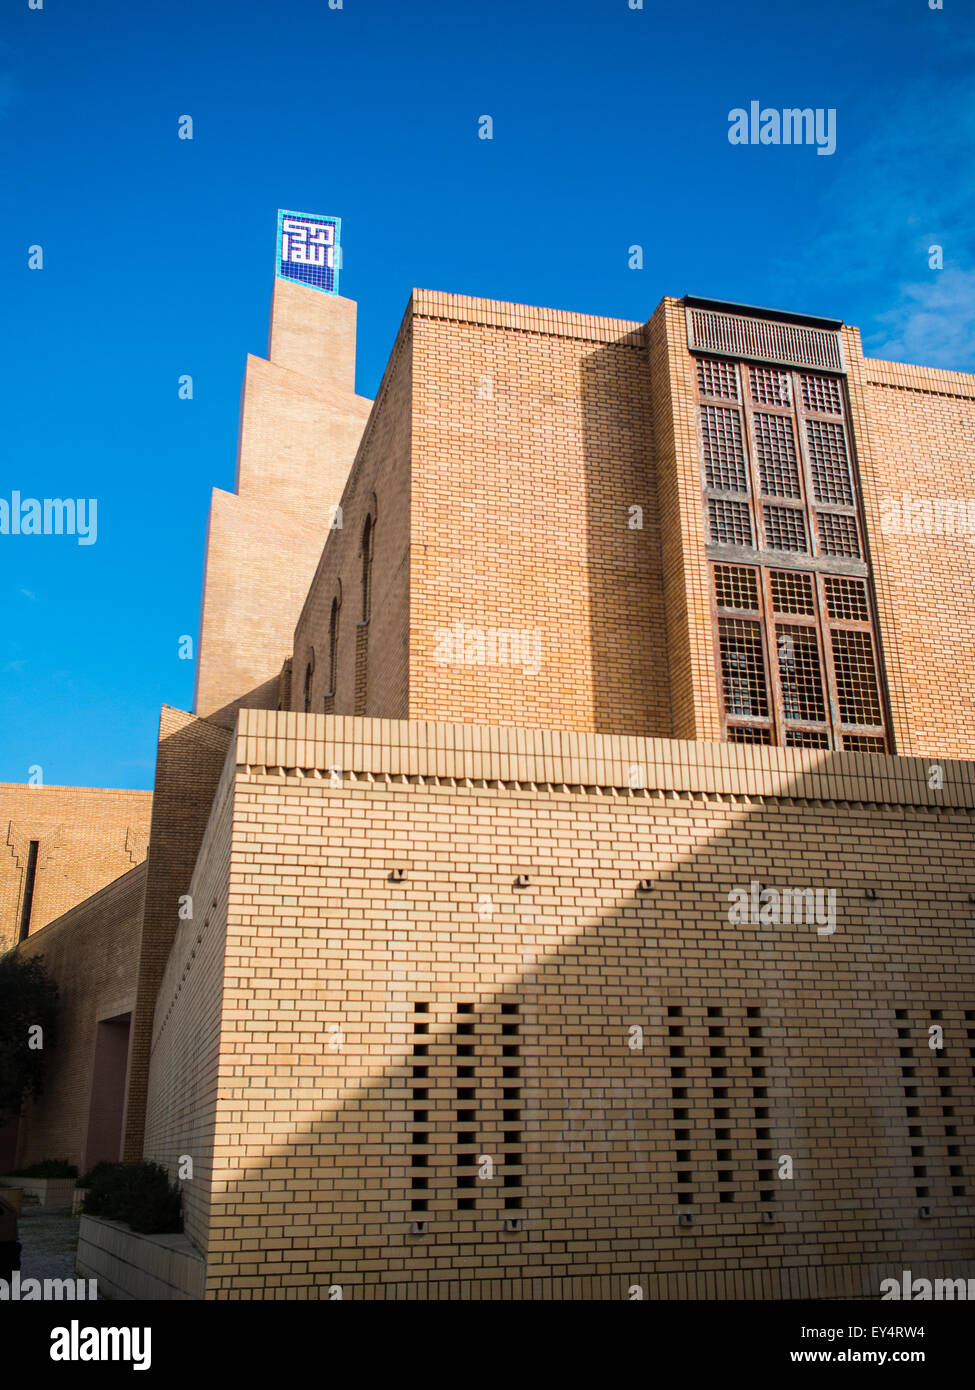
<point x="611" y="129"/>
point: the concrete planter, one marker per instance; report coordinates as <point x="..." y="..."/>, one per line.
<point x="130" y="1266"/>
<point x="50" y="1192"/>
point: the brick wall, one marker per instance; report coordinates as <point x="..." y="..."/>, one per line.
<point x="189" y="760"/>
<point x="532" y="442"/>
<point x="690" y="645"/>
<point x="86" y="837"/>
<point x="92" y="954"/>
<point x="182" y="1091"/>
<point x="758" y="1041"/>
<point x="378" y="487"/>
<point x="300" y="424"/>
<point x="915" y="433"/>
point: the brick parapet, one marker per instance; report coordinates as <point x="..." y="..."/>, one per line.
<point x="404" y="748"/>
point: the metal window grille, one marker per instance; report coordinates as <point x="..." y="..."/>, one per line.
<point x="846" y="599"/>
<point x="745" y="733"/>
<point x="743" y="668"/>
<point x="785" y="529"/>
<point x="800" y="676"/>
<point x="838" y="534"/>
<point x="730" y="522"/>
<point x="792" y="592"/>
<point x="822" y="393"/>
<point x="770" y="387"/>
<point x="724" y="454"/>
<point x="828" y="462"/>
<point x="856" y="677"/>
<point x="716" y="377"/>
<point x="775" y="447"/>
<point x="736" y="586"/>
<point x="864" y="743"/>
<point x="806" y="738"/>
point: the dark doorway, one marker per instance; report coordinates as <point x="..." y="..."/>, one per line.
<point x="107" y="1104"/>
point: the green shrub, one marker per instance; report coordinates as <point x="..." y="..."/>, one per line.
<point x="137" y="1193"/>
<point x="47" y="1168"/>
<point x="88" y="1178"/>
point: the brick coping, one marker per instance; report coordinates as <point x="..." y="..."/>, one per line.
<point x="410" y="749"/>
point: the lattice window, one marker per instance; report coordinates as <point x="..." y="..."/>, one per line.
<point x="785" y="529"/>
<point x="792" y="592"/>
<point x="828" y="462"/>
<point x="716" y="377"/>
<point x="799" y="674"/>
<point x="781" y="489"/>
<point x="775" y="446"/>
<point x="770" y="387"/>
<point x="730" y="522"/>
<point x="856" y="677"/>
<point x="724" y="455"/>
<point x="864" y="743"/>
<point x="806" y="738"/>
<point x="745" y="733"/>
<point x="846" y="599"/>
<point x="838" y="535"/>
<point x="822" y="393"/>
<point x="743" y="668"/>
<point x="735" y="586"/>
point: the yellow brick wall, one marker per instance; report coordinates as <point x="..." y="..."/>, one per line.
<point x="379" y="485"/>
<point x="915" y="434"/>
<point x="189" y="760"/>
<point x="300" y="425"/>
<point x="532" y="441"/>
<point x="327" y="960"/>
<point x="87" y="836"/>
<point x="182" y="1090"/>
<point x="690" y="642"/>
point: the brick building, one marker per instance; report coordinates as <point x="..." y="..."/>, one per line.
<point x="576" y="817"/>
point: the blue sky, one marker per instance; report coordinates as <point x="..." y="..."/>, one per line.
<point x="610" y="130"/>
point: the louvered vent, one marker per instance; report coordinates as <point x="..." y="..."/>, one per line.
<point x="739" y="335"/>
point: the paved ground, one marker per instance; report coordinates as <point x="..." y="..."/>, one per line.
<point x="50" y="1239"/>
